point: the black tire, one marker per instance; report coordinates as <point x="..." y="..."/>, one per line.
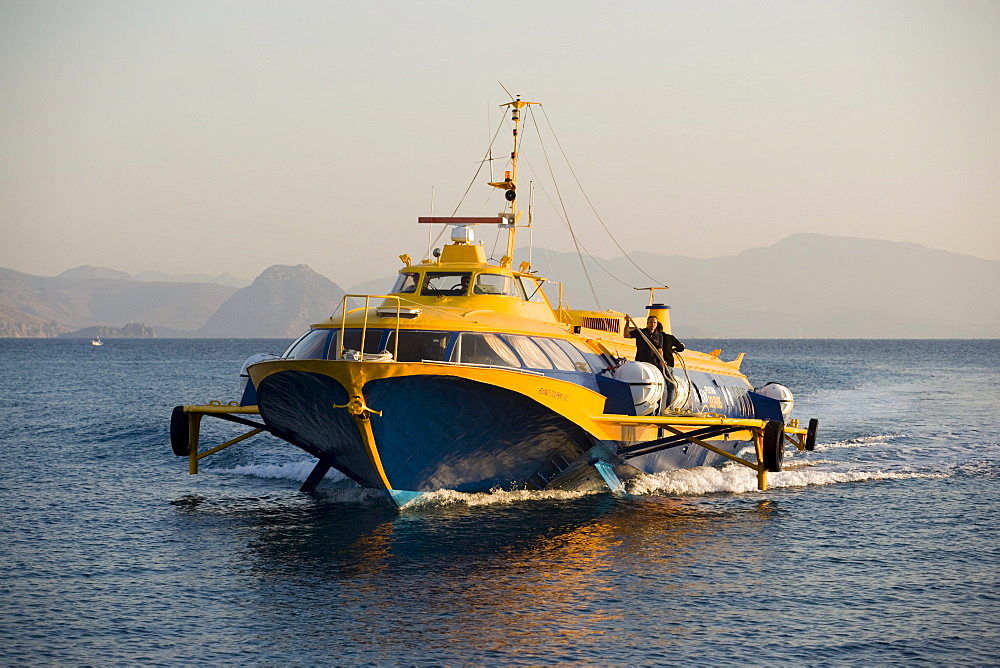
<point x="179" y="432"/>
<point x="811" y="434"/>
<point x="774" y="445"/>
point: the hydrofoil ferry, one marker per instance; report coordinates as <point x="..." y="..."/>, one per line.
<point x="464" y="376"/>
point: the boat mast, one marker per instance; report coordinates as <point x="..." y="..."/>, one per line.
<point x="509" y="183"/>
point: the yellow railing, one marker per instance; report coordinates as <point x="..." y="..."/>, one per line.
<point x="364" y="325"/>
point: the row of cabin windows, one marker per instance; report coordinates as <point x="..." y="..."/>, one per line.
<point x="457" y="284"/>
<point x="507" y="350"/>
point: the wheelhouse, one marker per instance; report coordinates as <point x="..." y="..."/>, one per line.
<point x="492" y="282"/>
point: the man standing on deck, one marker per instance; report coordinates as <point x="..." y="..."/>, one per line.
<point x="655" y="346"/>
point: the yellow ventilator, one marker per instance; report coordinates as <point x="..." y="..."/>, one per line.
<point x="662" y="313"/>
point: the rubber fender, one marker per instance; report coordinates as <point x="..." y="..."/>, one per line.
<point x="645" y="383"/>
<point x="811" y="434"/>
<point x="179" y="432"/>
<point x="774" y="445"/>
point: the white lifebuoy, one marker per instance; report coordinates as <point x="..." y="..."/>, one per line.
<point x="355" y="356"/>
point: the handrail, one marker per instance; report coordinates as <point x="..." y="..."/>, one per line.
<point x="562" y="311"/>
<point x="364" y="325"/>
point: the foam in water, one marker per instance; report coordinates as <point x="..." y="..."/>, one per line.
<point x="731" y="478"/>
<point x="446" y="497"/>
<point x="698" y="481"/>
<point x="297" y="471"/>
<point x="356" y="494"/>
<point x="862" y="441"/>
<point x="736" y="479"/>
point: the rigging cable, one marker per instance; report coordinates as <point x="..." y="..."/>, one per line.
<point x="561" y="218"/>
<point x="592" y="208"/>
<point x="572" y="233"/>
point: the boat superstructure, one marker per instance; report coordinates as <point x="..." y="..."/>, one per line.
<point x="465" y="376"/>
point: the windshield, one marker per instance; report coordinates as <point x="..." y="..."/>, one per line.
<point x="417" y="346"/>
<point x="441" y="284"/>
<point x="310" y="346"/>
<point x="529" y="351"/>
<point x="405" y="283"/>
<point x="495" y="284"/>
<point x="532" y="289"/>
<point x="475" y="348"/>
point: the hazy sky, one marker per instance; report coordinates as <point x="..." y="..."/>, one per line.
<point x="218" y="137"/>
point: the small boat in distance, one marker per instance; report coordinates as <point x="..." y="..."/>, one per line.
<point x="464" y="376"/>
<point x="96" y="342"/>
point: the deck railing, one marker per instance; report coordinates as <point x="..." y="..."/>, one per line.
<point x="364" y="325"/>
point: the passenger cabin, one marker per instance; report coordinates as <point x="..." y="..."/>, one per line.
<point x="459" y="309"/>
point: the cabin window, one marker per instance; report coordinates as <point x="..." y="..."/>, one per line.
<point x="494" y="284"/>
<point x="475" y="348"/>
<point x="532" y="289"/>
<point x="311" y="346"/>
<point x="559" y="358"/>
<point x="441" y="284"/>
<point x="418" y="346"/>
<point x="406" y="283"/>
<point x="296" y="342"/>
<point x="529" y="351"/>
<point x="579" y="360"/>
<point x="352" y="341"/>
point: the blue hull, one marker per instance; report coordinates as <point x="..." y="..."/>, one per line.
<point x="444" y="432"/>
<point x="447" y="432"/>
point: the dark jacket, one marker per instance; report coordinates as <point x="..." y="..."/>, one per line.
<point x="665" y="343"/>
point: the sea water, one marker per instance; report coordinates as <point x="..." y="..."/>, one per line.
<point x="880" y="547"/>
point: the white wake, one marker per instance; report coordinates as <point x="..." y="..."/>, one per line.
<point x="297" y="471"/>
<point x="735" y="479"/>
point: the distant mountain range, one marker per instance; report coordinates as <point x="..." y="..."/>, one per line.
<point x="280" y="303"/>
<point x="131" y="330"/>
<point x="808" y="285"/>
<point x="89" y="271"/>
